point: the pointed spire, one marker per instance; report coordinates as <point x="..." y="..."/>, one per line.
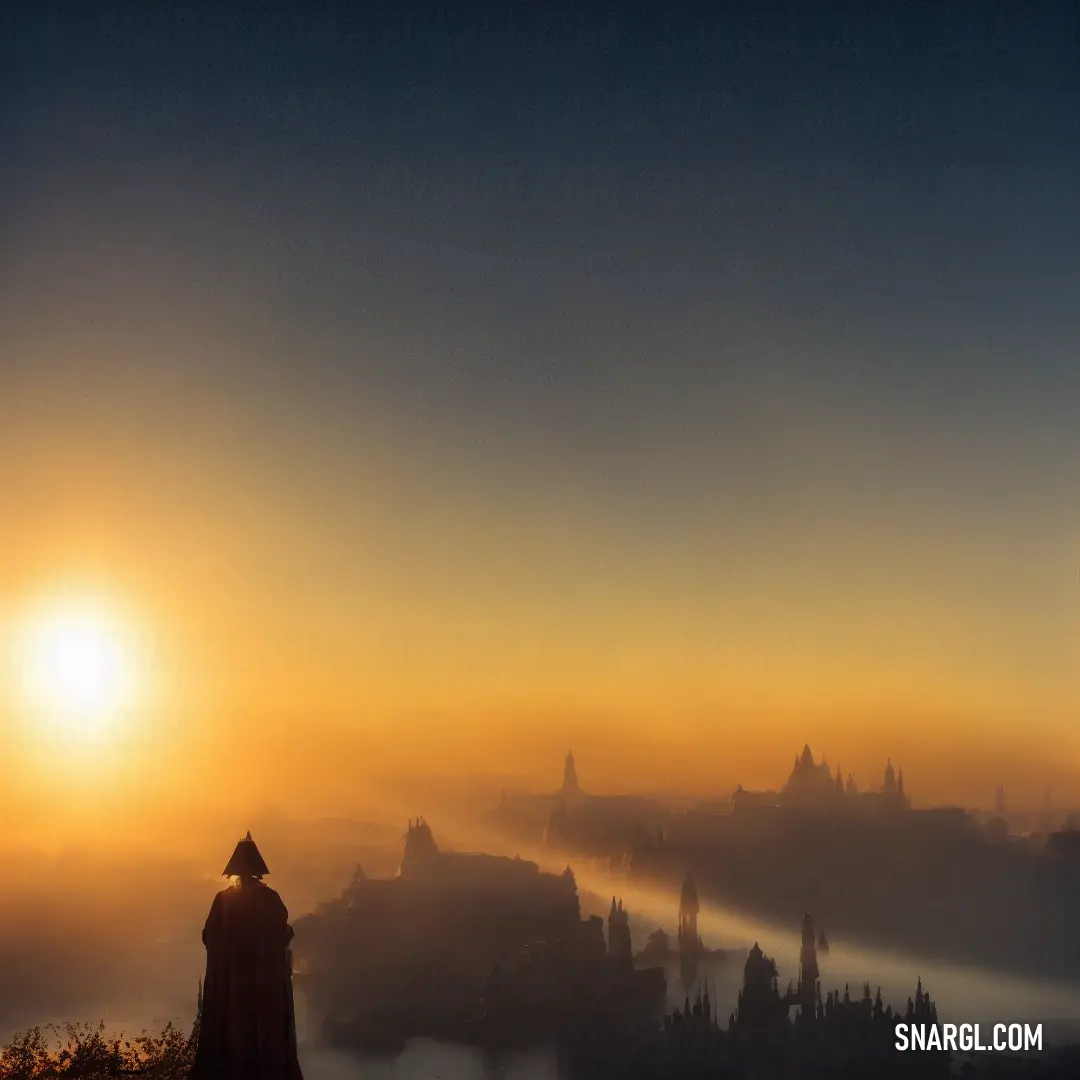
<point x="889" y="784"/>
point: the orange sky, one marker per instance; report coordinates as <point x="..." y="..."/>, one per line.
<point x="345" y="615"/>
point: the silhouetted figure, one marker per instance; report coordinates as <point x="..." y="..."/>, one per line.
<point x="248" y="1027"/>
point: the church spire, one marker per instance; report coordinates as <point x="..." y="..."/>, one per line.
<point x="570" y="785"/>
<point x="889" y="786"/>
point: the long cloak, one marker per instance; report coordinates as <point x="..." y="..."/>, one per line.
<point x="248" y="1025"/>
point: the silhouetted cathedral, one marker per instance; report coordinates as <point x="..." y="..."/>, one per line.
<point x="813" y="784"/>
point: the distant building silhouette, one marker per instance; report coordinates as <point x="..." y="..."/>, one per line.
<point x="577" y="821"/>
<point x="657" y="949"/>
<point x="620" y="947"/>
<point x="689" y="908"/>
<point x="761" y="1012"/>
<point x="421" y="852"/>
<point x="691" y="948"/>
<point x="813" y="785"/>
<point x="570" y="787"/>
<point x="809" y="991"/>
<point x="420" y="944"/>
<point x="840" y="1035"/>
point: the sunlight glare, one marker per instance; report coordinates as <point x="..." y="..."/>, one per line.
<point x="77" y="668"/>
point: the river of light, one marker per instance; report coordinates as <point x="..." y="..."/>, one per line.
<point x="963" y="994"/>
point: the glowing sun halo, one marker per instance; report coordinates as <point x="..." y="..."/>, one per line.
<point x="77" y="668"/>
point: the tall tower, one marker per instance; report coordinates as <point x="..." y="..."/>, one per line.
<point x="888" y="788"/>
<point x="808" y="967"/>
<point x="620" y="944"/>
<point x="569" y="777"/>
<point x="689" y="906"/>
<point x="690" y="947"/>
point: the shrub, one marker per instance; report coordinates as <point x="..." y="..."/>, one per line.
<point x="87" y="1052"/>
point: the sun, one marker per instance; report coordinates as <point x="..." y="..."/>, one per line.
<point x="77" y="668"/>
